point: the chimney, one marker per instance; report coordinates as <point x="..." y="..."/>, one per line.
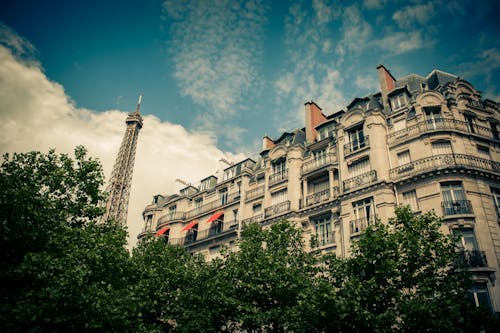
<point x="386" y="81"/>
<point x="267" y="143"/>
<point x="314" y="117"/>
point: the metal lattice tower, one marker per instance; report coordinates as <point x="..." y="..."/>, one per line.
<point x="121" y="178"/>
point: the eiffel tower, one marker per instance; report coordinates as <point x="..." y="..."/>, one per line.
<point x="121" y="177"/>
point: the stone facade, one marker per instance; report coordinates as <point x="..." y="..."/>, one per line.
<point x="428" y="142"/>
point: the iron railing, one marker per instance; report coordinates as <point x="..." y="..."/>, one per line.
<point x="215" y="230"/>
<point x="443" y="161"/>
<point x="317" y="163"/>
<point x="169" y="217"/>
<point x="472" y="258"/>
<point x="318" y="197"/>
<point x="255" y="193"/>
<point x="212" y="205"/>
<point x="255" y="218"/>
<point x="361" y="180"/>
<point x="282" y="207"/>
<point x="278" y="177"/>
<point x="439" y="124"/>
<point x="358" y="225"/>
<point x="356" y="145"/>
<point x="457" y="207"/>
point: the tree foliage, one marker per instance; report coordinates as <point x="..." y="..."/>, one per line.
<point x="63" y="271"/>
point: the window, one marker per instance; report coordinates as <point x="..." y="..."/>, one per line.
<point x="191" y="235"/>
<point x="364" y="213"/>
<point x="398" y="101"/>
<point x="471" y="123"/>
<point x="149" y="221"/>
<point x="410" y="198"/>
<point x="223" y="196"/>
<point x="256" y="209"/>
<point x="359" y="167"/>
<point x="171" y="210"/>
<point x="356" y="138"/>
<point x="496" y="201"/>
<point x="323" y="229"/>
<point x="198" y="204"/>
<point x="480" y="296"/>
<point x="454" y="201"/>
<point x="279" y="167"/>
<point x="326" y="132"/>
<point x="404" y="157"/>
<point x="483" y="152"/>
<point x="279" y="197"/>
<point x="466" y="240"/>
<point x="433" y="117"/>
<point x="441" y="148"/>
<point x="494" y="130"/>
<point x="320" y="157"/>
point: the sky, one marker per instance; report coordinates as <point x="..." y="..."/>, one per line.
<point x="216" y="75"/>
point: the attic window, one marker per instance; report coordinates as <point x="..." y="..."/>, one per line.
<point x="398" y="101"/>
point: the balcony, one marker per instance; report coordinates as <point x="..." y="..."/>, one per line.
<point x="444" y="161"/>
<point x="255" y="193"/>
<point x="428" y="126"/>
<point x="358" y="225"/>
<point x="318" y="197"/>
<point x="212" y="205"/>
<point x="354" y="146"/>
<point x="253" y="219"/>
<point x="170" y="217"/>
<point x="277" y="209"/>
<point x="361" y="180"/>
<point x="472" y="258"/>
<point x="318" y="163"/>
<point x="457" y="207"/>
<point x="278" y="177"/>
<point x="214" y="231"/>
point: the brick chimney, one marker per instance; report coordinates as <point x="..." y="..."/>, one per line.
<point x="314" y="117"/>
<point x="387" y="82"/>
<point x="267" y="143"/>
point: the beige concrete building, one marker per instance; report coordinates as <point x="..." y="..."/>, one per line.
<point x="428" y="142"/>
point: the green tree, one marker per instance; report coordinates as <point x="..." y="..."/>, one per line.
<point x="61" y="270"/>
<point x="271" y="274"/>
<point x="403" y="277"/>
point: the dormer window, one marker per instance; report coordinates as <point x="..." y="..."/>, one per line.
<point x="326" y="132"/>
<point x="398" y="101"/>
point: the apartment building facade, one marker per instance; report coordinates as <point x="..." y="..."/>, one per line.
<point x="429" y="142"/>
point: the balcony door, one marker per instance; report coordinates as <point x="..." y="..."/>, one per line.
<point x="433" y="118"/>
<point x="466" y="241"/>
<point x="356" y="138"/>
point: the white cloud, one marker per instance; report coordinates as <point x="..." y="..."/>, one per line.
<point x="412" y="16"/>
<point x="402" y="42"/>
<point x="215" y="48"/>
<point x="367" y="83"/>
<point x="38" y="115"/>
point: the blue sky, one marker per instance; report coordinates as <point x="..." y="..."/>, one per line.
<point x="239" y="70"/>
<point x="216" y="75"/>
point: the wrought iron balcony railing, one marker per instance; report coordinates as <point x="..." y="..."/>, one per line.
<point x="358" y="225"/>
<point x="356" y="145"/>
<point x="212" y="205"/>
<point x="361" y="180"/>
<point x="169" y="217"/>
<point x="255" y="193"/>
<point x="277" y="209"/>
<point x="457" y="207"/>
<point x="472" y="258"/>
<point x="439" y="124"/>
<point x="318" y="197"/>
<point x="317" y="163"/>
<point x="255" y="218"/>
<point x="443" y="161"/>
<point x="278" y="177"/>
<point x="197" y="236"/>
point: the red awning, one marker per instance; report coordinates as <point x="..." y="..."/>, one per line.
<point x="162" y="231"/>
<point x="190" y="225"/>
<point x="215" y="217"/>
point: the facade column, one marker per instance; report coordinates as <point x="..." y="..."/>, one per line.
<point x="331" y="183"/>
<point x="304" y="192"/>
